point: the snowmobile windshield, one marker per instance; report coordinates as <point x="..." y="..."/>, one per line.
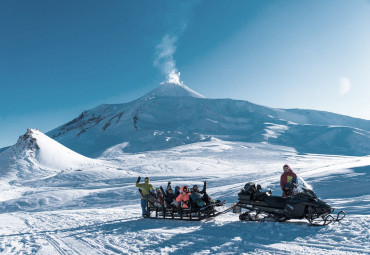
<point x="304" y="187"/>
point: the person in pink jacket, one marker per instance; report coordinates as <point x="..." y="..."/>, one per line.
<point x="286" y="180"/>
<point x="183" y="198"/>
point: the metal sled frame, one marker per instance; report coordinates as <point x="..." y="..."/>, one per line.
<point x="189" y="214"/>
<point x="171" y="213"/>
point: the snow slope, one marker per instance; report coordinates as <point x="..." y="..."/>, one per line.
<point x="173" y="115"/>
<point x="37" y="155"/>
<point x="97" y="211"/>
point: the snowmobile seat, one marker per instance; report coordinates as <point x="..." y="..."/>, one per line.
<point x="276" y="201"/>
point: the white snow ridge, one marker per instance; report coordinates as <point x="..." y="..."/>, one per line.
<point x="170" y="89"/>
<point x="55" y="200"/>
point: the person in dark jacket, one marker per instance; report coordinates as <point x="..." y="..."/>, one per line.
<point x="287" y="181"/>
<point x="202" y="194"/>
<point x="169" y="196"/>
<point x="177" y="191"/>
<point x="196" y="196"/>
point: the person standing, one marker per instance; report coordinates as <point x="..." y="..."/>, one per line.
<point x="144" y="189"/>
<point x="287" y="179"/>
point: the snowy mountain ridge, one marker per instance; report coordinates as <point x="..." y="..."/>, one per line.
<point x="173" y="114"/>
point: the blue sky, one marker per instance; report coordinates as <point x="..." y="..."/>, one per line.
<point x="59" y="58"/>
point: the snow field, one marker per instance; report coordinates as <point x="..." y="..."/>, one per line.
<point x="96" y="209"/>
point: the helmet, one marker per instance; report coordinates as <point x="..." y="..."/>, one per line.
<point x="286" y="167"/>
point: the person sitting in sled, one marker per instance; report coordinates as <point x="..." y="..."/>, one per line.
<point x="184" y="197"/>
<point x="196" y="196"/>
<point x="287" y="181"/>
<point x="144" y="189"/>
<point x="158" y="198"/>
<point x="177" y="191"/>
<point x="169" y="196"/>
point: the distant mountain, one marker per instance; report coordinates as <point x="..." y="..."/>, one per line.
<point x="40" y="154"/>
<point x="173" y="115"/>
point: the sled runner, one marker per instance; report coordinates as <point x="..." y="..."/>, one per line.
<point x="190" y="214"/>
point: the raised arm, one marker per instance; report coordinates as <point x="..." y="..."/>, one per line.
<point x="204" y="187"/>
<point x="138" y="184"/>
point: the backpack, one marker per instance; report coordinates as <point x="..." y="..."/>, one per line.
<point x="250" y="188"/>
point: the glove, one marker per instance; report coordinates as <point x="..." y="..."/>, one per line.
<point x="138" y="179"/>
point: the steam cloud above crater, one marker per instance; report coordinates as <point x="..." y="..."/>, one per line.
<point x="165" y="59"/>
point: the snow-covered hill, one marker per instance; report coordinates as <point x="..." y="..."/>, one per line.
<point x="173" y="115"/>
<point x="36" y="154"/>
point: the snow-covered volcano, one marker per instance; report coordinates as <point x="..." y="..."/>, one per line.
<point x="173" y="115"/>
<point x="173" y="90"/>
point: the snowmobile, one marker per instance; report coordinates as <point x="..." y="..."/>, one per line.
<point x="303" y="204"/>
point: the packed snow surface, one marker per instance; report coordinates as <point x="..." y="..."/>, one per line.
<point x="95" y="209"/>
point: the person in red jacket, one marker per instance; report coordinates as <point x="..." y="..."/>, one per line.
<point x="287" y="179"/>
<point x="183" y="198"/>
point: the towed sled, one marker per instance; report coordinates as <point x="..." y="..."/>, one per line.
<point x="193" y="213"/>
<point x="303" y="204"/>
